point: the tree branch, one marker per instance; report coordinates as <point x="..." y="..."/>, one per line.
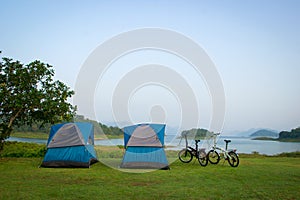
<point x="12" y="119"/>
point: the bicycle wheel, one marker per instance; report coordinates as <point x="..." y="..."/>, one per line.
<point x="185" y="156"/>
<point x="202" y="159"/>
<point x="213" y="157"/>
<point x="234" y="159"/>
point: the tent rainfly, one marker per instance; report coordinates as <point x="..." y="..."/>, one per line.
<point x="144" y="145"/>
<point x="70" y="145"/>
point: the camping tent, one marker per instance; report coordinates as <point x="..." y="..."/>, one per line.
<point x="144" y="145"/>
<point x="70" y="145"/>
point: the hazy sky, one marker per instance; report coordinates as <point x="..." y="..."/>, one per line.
<point x="255" y="46"/>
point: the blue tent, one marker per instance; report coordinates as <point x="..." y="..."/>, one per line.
<point x="144" y="145"/>
<point x="70" y="145"/>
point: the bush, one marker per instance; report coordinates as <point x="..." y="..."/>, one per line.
<point x="22" y="149"/>
<point x="290" y="154"/>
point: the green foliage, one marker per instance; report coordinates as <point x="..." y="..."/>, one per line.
<point x="293" y="134"/>
<point x="22" y="149"/>
<point x="110" y="130"/>
<point x="36" y="127"/>
<point x="198" y="133"/>
<point x="29" y="94"/>
<point x="101" y="130"/>
<point x="110" y="154"/>
<point x="31" y="135"/>
<point x="290" y="154"/>
<point x="41" y="131"/>
<point x="97" y="128"/>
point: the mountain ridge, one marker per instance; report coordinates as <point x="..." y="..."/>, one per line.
<point x="265" y="133"/>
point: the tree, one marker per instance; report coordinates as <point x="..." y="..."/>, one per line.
<point x="28" y="94"/>
<point x="195" y="133"/>
<point x="293" y="134"/>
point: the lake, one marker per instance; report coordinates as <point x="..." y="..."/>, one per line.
<point x="242" y="144"/>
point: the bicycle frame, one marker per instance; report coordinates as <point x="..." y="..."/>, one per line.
<point x="228" y="154"/>
<point x="193" y="151"/>
<point x="224" y="151"/>
<point x="186" y="155"/>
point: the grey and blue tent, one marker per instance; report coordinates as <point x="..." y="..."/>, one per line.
<point x="144" y="145"/>
<point x="70" y="145"/>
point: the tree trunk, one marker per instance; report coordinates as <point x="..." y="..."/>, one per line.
<point x="13" y="118"/>
<point x="6" y="129"/>
<point x="5" y="132"/>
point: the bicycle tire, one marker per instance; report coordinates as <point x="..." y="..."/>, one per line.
<point x="234" y="159"/>
<point x="213" y="157"/>
<point x="202" y="159"/>
<point x="185" y="156"/>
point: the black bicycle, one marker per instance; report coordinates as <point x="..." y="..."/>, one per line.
<point x="186" y="155"/>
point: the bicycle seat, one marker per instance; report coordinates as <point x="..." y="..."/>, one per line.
<point x="227" y="141"/>
<point x="197" y="141"/>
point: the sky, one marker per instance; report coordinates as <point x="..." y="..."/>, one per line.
<point x="254" y="45"/>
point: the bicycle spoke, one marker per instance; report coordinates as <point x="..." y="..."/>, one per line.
<point x="202" y="159"/>
<point x="213" y="157"/>
<point x="233" y="159"/>
<point x="185" y="156"/>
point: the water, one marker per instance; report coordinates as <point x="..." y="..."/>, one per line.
<point x="31" y="140"/>
<point x="243" y="145"/>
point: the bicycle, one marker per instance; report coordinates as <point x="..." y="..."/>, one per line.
<point x="186" y="155"/>
<point x="228" y="154"/>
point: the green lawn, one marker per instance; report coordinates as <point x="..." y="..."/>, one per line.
<point x="36" y="135"/>
<point x="257" y="177"/>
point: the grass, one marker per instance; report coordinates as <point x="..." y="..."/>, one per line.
<point x="257" y="177"/>
<point x="35" y="135"/>
<point x="107" y="136"/>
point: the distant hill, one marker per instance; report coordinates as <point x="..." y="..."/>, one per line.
<point x="246" y="133"/>
<point x="101" y="130"/>
<point x="195" y="133"/>
<point x="265" y="133"/>
<point x="294" y="135"/>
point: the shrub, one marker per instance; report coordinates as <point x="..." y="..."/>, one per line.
<point x="22" y="149"/>
<point x="289" y="154"/>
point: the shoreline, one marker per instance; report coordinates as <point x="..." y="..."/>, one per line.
<point x="277" y="139"/>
